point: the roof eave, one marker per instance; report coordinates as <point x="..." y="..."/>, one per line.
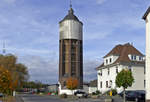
<point x="146" y="13"/>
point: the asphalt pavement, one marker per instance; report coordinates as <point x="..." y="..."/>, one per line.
<point x="39" y="98"/>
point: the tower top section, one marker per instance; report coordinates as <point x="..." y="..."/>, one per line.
<point x="70" y="15"/>
<point x="146" y="13"/>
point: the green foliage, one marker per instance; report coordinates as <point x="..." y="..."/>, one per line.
<point x="114" y="92"/>
<point x="124" y="79"/>
<point x="96" y="93"/>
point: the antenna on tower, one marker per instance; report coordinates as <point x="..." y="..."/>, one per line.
<point x="4" y="49"/>
<point x="70" y="3"/>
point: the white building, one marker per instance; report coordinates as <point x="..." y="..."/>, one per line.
<point x="120" y="57"/>
<point x="146" y="17"/>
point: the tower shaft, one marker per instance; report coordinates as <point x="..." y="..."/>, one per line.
<point x="70" y="49"/>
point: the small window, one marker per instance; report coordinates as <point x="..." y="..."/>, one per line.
<point x="64" y="83"/>
<point x="106" y="61"/>
<point x="101" y="72"/>
<point x="108" y="71"/>
<point x="101" y="84"/>
<point x="144" y="83"/>
<point x="144" y="70"/>
<point x="140" y="58"/>
<point x="106" y="84"/>
<point x="117" y="70"/>
<point x="134" y="57"/>
<point x="110" y="60"/>
<point x="130" y="69"/>
<point x="110" y="83"/>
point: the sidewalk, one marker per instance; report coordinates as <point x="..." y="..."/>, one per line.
<point x="18" y="98"/>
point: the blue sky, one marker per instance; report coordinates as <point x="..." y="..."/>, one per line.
<point x="30" y="30"/>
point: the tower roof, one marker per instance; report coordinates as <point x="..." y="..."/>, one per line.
<point x="70" y="16"/>
<point x="146" y="13"/>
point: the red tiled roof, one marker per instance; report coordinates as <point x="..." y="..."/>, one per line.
<point x="123" y="51"/>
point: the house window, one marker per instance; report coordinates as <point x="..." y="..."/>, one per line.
<point x="106" y="61"/>
<point x="110" y="83"/>
<point x="101" y="73"/>
<point x="101" y="84"/>
<point x="140" y="58"/>
<point x="110" y="60"/>
<point x="134" y="57"/>
<point x="144" y="83"/>
<point x="108" y="71"/>
<point x="117" y="70"/>
<point x="129" y="68"/>
<point x="144" y="70"/>
<point x="106" y="84"/>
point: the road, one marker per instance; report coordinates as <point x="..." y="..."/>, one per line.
<point x="37" y="98"/>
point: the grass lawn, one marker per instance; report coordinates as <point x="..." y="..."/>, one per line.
<point x="8" y="99"/>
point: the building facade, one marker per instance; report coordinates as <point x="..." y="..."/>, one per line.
<point x="121" y="57"/>
<point x="70" y="50"/>
<point x="146" y="17"/>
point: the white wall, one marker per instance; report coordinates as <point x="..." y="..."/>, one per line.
<point x="148" y="57"/>
<point x="138" y="73"/>
<point x="139" y="77"/>
<point x="65" y="91"/>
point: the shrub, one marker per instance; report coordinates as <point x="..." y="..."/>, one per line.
<point x="114" y="92"/>
<point x="63" y="95"/>
<point x="98" y="92"/>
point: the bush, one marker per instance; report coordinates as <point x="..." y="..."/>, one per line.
<point x="98" y="92"/>
<point x="114" y="92"/>
<point x="63" y="95"/>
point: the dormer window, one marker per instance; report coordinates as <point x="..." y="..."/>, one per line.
<point x="106" y="61"/>
<point x="134" y="57"/>
<point x="140" y="58"/>
<point x="110" y="60"/>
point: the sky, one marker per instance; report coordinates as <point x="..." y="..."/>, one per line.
<point x="30" y="31"/>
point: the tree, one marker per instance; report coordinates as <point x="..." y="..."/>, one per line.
<point x="18" y="71"/>
<point x="124" y="79"/>
<point x="5" y="81"/>
<point x="72" y="84"/>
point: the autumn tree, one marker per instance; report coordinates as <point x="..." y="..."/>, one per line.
<point x="5" y="81"/>
<point x="124" y="79"/>
<point x="72" y="84"/>
<point x="19" y="72"/>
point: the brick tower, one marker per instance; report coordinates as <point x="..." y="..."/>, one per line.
<point x="70" y="49"/>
